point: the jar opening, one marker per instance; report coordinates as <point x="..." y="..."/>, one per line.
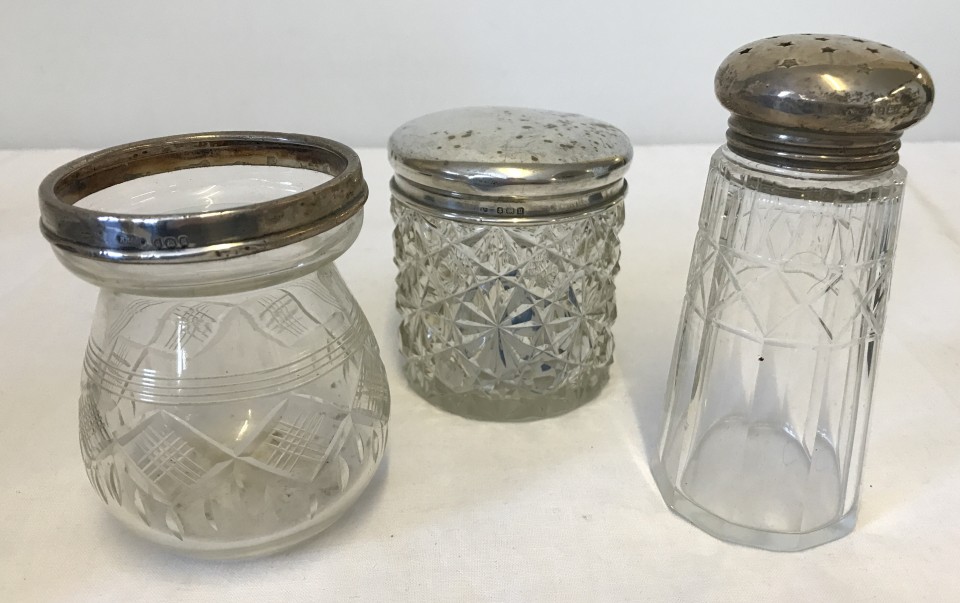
<point x="202" y="190"/>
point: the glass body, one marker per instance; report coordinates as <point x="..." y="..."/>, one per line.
<point x="776" y="355"/>
<point x="231" y="408"/>
<point x="506" y="322"/>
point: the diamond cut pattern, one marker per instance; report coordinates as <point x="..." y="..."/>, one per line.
<point x="290" y="444"/>
<point x="169" y="454"/>
<point x="495" y="310"/>
<point x="788" y="281"/>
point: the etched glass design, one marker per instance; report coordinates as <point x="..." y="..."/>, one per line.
<point x="237" y="424"/>
<point x="507" y="322"/>
<point x="776" y="354"/>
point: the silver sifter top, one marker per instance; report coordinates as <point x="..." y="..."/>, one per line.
<point x="508" y="164"/>
<point x="817" y="102"/>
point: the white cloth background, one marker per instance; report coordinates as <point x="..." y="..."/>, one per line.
<point x="557" y="510"/>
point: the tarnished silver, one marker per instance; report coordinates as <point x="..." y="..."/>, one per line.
<point x="197" y="237"/>
<point x="495" y="164"/>
<point x="828" y="103"/>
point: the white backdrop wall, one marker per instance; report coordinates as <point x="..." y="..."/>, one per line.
<point x="94" y="73"/>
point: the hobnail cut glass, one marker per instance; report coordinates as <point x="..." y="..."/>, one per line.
<point x="776" y="354"/>
<point x="507" y="322"/>
<point x="231" y="408"/>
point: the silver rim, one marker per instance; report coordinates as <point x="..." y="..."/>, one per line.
<point x="526" y="211"/>
<point x="197" y="237"/>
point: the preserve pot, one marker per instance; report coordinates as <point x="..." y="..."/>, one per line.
<point x="506" y="240"/>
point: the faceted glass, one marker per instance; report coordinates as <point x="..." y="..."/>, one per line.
<point x="507" y="322"/>
<point x="776" y="355"/>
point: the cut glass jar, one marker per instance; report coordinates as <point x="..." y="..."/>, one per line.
<point x="233" y="401"/>
<point x="506" y="244"/>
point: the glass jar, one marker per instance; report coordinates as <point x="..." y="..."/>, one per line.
<point x="506" y="244"/>
<point x="776" y="357"/>
<point x="233" y="401"/>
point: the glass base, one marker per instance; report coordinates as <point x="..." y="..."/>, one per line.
<point x="516" y="408"/>
<point x="257" y="547"/>
<point x="738" y="534"/>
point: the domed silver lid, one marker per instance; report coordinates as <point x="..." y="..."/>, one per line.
<point x="822" y="102"/>
<point x="507" y="163"/>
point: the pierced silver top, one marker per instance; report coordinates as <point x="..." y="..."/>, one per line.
<point x="822" y="102"/>
<point x="200" y="236"/>
<point x="507" y="163"/>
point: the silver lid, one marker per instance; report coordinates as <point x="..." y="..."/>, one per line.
<point x="196" y="237"/>
<point x="822" y="102"/>
<point x="508" y="164"/>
